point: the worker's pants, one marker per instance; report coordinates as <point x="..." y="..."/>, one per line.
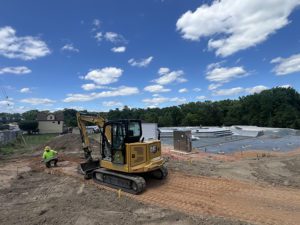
<point x="48" y="163"/>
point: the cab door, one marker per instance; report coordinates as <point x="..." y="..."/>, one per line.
<point x="115" y="146"/>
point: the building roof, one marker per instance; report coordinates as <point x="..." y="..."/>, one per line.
<point x="42" y="116"/>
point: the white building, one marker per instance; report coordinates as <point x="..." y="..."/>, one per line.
<point x="50" y="122"/>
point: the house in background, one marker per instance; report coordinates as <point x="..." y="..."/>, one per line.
<point x="50" y="122"/>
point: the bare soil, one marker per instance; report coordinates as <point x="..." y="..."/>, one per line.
<point x="244" y="188"/>
<point x="276" y="170"/>
<point x="70" y="143"/>
<point x="36" y="197"/>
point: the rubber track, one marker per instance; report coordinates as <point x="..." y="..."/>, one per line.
<point x="164" y="172"/>
<point x="139" y="181"/>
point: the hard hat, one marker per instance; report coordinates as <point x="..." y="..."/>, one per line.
<point x="47" y="148"/>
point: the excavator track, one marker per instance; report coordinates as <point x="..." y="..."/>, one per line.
<point x="160" y="173"/>
<point x="128" y="183"/>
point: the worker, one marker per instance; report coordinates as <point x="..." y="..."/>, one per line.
<point x="49" y="156"/>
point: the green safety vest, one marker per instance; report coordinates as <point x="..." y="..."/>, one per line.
<point x="49" y="155"/>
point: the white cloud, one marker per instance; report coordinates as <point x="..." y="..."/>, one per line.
<point x="121" y="91"/>
<point x="197" y="89"/>
<point x="112" y="104"/>
<point x="156" y="95"/>
<point x="98" y="36"/>
<point x="214" y="86"/>
<point x="92" y="86"/>
<point x="89" y="87"/>
<point x="70" y="48"/>
<point x="25" y="90"/>
<point x="152" y="106"/>
<point x="256" y="89"/>
<point x="163" y="70"/>
<point x="183" y="90"/>
<point x="154" y="102"/>
<point x="287" y="65"/>
<point x="38" y="101"/>
<point x="178" y="100"/>
<point x="15" y="70"/>
<point x="215" y="65"/>
<point x="215" y="73"/>
<point x="286" y="86"/>
<point x="238" y="90"/>
<point x="96" y="23"/>
<point x="118" y="49"/>
<point x="9" y="87"/>
<point x="6" y="103"/>
<point x="57" y="109"/>
<point x="156" y="88"/>
<point x="235" y="25"/>
<point x="8" y="106"/>
<point x="201" y="97"/>
<point x="26" y="48"/>
<point x="78" y="108"/>
<point x="140" y="63"/>
<point x="105" y="75"/>
<point x="80" y="97"/>
<point x="109" y="36"/>
<point x="231" y="91"/>
<point x="114" y="37"/>
<point x="167" y="76"/>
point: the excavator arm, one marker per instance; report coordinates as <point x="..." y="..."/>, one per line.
<point x="82" y="120"/>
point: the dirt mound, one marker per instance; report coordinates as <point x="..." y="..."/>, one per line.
<point x="69" y="143"/>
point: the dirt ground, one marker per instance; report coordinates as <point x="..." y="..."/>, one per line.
<point x="70" y="143"/>
<point x="243" y="188"/>
<point x="41" y="197"/>
<point x="277" y="170"/>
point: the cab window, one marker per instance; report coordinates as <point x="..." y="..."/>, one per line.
<point x="134" y="129"/>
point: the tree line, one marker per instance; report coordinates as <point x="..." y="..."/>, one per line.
<point x="277" y="107"/>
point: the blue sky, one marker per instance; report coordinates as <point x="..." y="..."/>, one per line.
<point x="99" y="55"/>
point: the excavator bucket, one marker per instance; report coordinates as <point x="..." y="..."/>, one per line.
<point x="88" y="167"/>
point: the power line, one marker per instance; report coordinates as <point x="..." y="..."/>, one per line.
<point x="5" y="95"/>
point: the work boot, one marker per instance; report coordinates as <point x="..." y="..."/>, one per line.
<point x="55" y="162"/>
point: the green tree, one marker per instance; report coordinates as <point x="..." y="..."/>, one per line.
<point x="70" y="117"/>
<point x="30" y="115"/>
<point x="190" y="119"/>
<point x="28" y="125"/>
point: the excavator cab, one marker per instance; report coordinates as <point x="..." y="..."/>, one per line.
<point x="114" y="136"/>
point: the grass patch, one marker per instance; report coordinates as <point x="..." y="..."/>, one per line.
<point x="31" y="141"/>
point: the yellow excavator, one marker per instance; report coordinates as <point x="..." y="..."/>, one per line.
<point x="124" y="157"/>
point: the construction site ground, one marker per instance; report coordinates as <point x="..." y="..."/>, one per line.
<point x="253" y="187"/>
